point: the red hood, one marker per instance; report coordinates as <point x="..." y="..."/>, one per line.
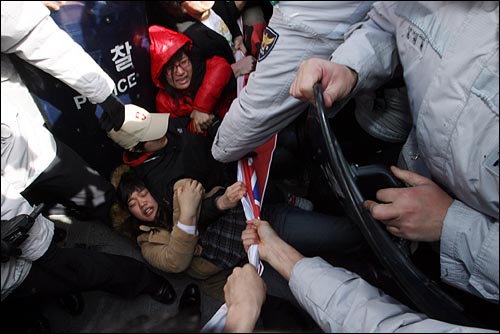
<point x="164" y="43"/>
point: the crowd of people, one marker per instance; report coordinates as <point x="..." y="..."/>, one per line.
<point x="177" y="195"/>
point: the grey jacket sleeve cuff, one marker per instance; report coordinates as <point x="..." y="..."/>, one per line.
<point x="469" y="251"/>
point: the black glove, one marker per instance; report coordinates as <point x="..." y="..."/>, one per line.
<point x="113" y="114"/>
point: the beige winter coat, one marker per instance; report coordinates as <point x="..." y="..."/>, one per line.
<point x="176" y="251"/>
<point x="173" y="252"/>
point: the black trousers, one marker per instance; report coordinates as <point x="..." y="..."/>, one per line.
<point x="312" y="234"/>
<point x="64" y="270"/>
<point x="70" y="181"/>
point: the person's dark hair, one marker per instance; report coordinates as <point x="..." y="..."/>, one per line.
<point x="140" y="146"/>
<point x="163" y="74"/>
<point x="129" y="183"/>
<point x="174" y="10"/>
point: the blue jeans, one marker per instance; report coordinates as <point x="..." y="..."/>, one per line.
<point x="313" y="233"/>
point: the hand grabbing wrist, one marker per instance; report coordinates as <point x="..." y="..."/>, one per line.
<point x="231" y="197"/>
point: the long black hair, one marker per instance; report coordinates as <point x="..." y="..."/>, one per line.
<point x="131" y="182"/>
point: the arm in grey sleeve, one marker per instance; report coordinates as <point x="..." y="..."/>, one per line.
<point x="469" y="251"/>
<point x="341" y="301"/>
<point x="370" y="48"/>
<point x="29" y="32"/>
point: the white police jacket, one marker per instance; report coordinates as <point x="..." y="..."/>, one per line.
<point x="449" y="54"/>
<point x="27" y="146"/>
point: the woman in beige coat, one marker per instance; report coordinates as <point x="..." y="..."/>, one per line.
<point x="171" y="245"/>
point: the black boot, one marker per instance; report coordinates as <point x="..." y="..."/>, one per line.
<point x="165" y="293"/>
<point x="190" y="302"/>
<point x="72" y="303"/>
<point x="189" y="316"/>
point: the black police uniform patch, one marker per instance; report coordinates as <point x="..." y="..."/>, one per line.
<point x="268" y="42"/>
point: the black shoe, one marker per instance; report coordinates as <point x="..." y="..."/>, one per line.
<point x="190" y="302"/>
<point x="72" y="303"/>
<point x="59" y="235"/>
<point x="39" y="325"/>
<point x="165" y="294"/>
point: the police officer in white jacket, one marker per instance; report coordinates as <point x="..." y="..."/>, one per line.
<point x="32" y="159"/>
<point x="30" y="154"/>
<point x="449" y="54"/>
<point x="297" y="30"/>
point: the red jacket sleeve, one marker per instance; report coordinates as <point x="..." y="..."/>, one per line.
<point x="166" y="104"/>
<point x="217" y="75"/>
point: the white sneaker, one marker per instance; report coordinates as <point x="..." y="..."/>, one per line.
<point x="300" y="202"/>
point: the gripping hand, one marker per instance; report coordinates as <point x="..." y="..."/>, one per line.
<point x="113" y="114"/>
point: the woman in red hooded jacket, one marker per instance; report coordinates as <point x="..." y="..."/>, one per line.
<point x="190" y="87"/>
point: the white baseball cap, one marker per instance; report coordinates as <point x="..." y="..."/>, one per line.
<point x="139" y="126"/>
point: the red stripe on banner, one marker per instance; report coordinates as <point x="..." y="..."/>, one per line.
<point x="247" y="173"/>
<point x="262" y="164"/>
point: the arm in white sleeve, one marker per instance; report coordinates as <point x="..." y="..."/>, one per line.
<point x="370" y="49"/>
<point x="42" y="231"/>
<point x="341" y="301"/>
<point x="189" y="229"/>
<point x="469" y="251"/>
<point x="29" y="32"/>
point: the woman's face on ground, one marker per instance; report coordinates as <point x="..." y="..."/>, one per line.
<point x="142" y="205"/>
<point x="196" y="8"/>
<point x="179" y="75"/>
